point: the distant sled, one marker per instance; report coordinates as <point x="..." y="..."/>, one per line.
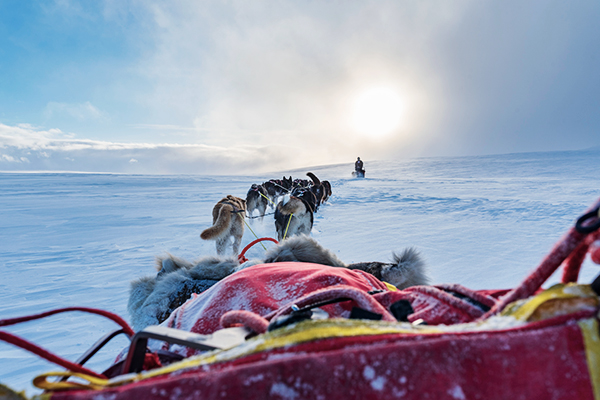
<point x="358" y="174"/>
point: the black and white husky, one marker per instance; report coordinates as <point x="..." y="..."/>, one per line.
<point x="293" y="216"/>
<point x="257" y="198"/>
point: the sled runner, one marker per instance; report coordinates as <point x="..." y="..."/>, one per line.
<point x="309" y="331"/>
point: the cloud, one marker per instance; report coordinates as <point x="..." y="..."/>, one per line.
<point x="54" y="150"/>
<point x="79" y="111"/>
<point x="259" y="72"/>
<point x="477" y="77"/>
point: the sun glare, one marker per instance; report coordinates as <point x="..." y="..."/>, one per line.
<point x="377" y="112"/>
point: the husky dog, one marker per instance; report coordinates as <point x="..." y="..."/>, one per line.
<point x="228" y="221"/>
<point x="152" y="299"/>
<point x="277" y="187"/>
<point x="257" y="199"/>
<point x="317" y="188"/>
<point x="293" y="216"/>
<point x="328" y="191"/>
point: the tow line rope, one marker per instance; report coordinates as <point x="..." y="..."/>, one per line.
<point x="242" y="258"/>
<point x="255" y="235"/>
<point x="270" y="201"/>
<point x="288" y="225"/>
<point x="260" y="216"/>
<point x="45" y="354"/>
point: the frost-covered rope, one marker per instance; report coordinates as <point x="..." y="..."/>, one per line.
<point x="563" y="249"/>
<point x="363" y="299"/>
<point x="249" y="319"/>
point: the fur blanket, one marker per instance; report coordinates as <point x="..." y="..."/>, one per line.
<point x="153" y="299"/>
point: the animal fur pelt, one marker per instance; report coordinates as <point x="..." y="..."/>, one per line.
<point x="153" y="299"/>
<point x="293" y="216"/>
<point x="228" y="221"/>
<point x="407" y="269"/>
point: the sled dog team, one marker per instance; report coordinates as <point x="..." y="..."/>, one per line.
<point x="153" y="299"/>
<point x="295" y="202"/>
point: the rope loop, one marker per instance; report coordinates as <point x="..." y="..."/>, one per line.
<point x="589" y="228"/>
<point x="242" y="258"/>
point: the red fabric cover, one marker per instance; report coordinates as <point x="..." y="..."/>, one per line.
<point x="544" y="360"/>
<point x="265" y="288"/>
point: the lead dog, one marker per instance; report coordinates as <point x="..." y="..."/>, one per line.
<point x="228" y="221"/>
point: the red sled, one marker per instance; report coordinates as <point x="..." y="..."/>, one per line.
<point x="343" y="334"/>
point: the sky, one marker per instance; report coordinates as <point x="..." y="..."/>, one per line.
<point x="222" y="87"/>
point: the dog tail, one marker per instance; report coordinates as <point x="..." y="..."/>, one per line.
<point x="407" y="269"/>
<point x="220" y="225"/>
<point x="314" y="178"/>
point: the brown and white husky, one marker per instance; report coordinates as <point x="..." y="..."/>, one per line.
<point x="228" y="221"/>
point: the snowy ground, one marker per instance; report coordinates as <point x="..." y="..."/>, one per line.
<point x="78" y="239"/>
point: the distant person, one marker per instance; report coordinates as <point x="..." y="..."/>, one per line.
<point x="358" y="168"/>
<point x="358" y="165"/>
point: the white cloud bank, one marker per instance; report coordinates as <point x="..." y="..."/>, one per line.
<point x="27" y="148"/>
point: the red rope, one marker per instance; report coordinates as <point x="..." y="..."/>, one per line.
<point x="363" y="299"/>
<point x="242" y="258"/>
<point x="595" y="251"/>
<point x="457" y="304"/>
<point x="576" y="258"/>
<point x="250" y="320"/>
<point x="120" y="321"/>
<point x="43" y="353"/>
<point x="549" y="264"/>
<point x="25" y="345"/>
<point x="481" y="298"/>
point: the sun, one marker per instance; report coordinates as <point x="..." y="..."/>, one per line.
<point x="377" y="112"/>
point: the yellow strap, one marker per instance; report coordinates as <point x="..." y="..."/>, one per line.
<point x="270" y="201"/>
<point x="301" y="332"/>
<point x="261" y="243"/>
<point x="523" y="309"/>
<point x="288" y="225"/>
<point x="318" y="329"/>
<point x="589" y="329"/>
<point x="94" y="383"/>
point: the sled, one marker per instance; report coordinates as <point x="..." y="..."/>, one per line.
<point x="358" y="173"/>
<point x="362" y="338"/>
